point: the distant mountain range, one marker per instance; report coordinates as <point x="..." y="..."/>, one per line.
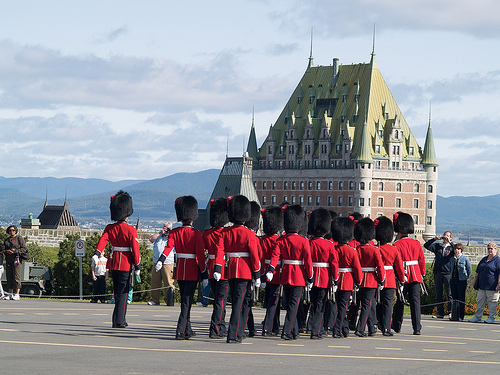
<point x="88" y="201"/>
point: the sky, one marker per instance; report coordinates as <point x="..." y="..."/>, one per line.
<point x="142" y="90"/>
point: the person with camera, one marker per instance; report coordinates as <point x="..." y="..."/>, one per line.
<point x="166" y="273"/>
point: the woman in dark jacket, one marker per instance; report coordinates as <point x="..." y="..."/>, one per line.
<point x="460" y="272"/>
<point x="14" y="247"/>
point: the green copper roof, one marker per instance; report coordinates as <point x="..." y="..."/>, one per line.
<point x="364" y="152"/>
<point x="429" y="156"/>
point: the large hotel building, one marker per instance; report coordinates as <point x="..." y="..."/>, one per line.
<point x="341" y="142"/>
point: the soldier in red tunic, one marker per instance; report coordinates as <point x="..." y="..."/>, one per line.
<point x="272" y="218"/>
<point x="325" y="266"/>
<point x="190" y="253"/>
<point x="295" y="253"/>
<point x="124" y="255"/>
<point x="413" y="259"/>
<point x="384" y="233"/>
<point x="238" y="252"/>
<point x="373" y="274"/>
<point x="220" y="289"/>
<point x="349" y="272"/>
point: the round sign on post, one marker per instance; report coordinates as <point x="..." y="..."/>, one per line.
<point x="79" y="248"/>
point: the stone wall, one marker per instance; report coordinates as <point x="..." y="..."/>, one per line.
<point x="474" y="253"/>
<point x="52" y="237"/>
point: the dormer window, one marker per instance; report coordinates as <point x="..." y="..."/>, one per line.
<point x="377" y="149"/>
<point x="411" y="151"/>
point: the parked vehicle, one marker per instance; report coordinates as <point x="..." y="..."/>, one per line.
<point x="35" y="280"/>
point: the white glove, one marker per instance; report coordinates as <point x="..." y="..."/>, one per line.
<point x="257" y="283"/>
<point x="217" y="276"/>
<point x="269" y="276"/>
<point x="334" y="288"/>
<point x="158" y="266"/>
<point x="204" y="282"/>
<point x="380" y="286"/>
<point x="309" y="286"/>
<point x="138" y="272"/>
<point x="263" y="285"/>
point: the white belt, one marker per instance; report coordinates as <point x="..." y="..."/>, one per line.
<point x="268" y="261"/>
<point x="368" y="269"/>
<point x="343" y="270"/>
<point x="119" y="248"/>
<point x="211" y="256"/>
<point x="186" y="256"/>
<point x="411" y="263"/>
<point x="238" y="255"/>
<point x="321" y="264"/>
<point x="293" y="262"/>
<point x="388" y="267"/>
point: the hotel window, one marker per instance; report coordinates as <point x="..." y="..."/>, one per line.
<point x="349" y="201"/>
<point x="310" y="185"/>
<point x="285" y="185"/>
<point x="301" y="200"/>
<point x="270" y="150"/>
<point x="346" y="148"/>
<point x="330" y="201"/>
<point x="415" y="219"/>
<point x="338" y="148"/>
<point x="309" y="200"/>
<point x="411" y="151"/>
<point x="293" y="199"/>
<point x="416" y="188"/>
<point x="341" y="185"/>
<point x="264" y="200"/>
<point x="273" y="199"/>
<point x="340" y="201"/>
<point x="377" y="149"/>
<point x="301" y="185"/>
<point x="293" y="185"/>
<point x="318" y="201"/>
<point x="429" y="220"/>
<point x="398" y="202"/>
<point x="429" y="205"/>
<point x="318" y="185"/>
<point x="415" y="203"/>
<point x="361" y="186"/>
<point x="330" y="185"/>
<point x="380" y="202"/>
<point x="351" y="185"/>
<point x="255" y="184"/>
<point x="264" y="185"/>
<point x="429" y="188"/>
<point x="381" y="186"/>
<point x="274" y="185"/>
<point x="285" y="198"/>
<point x="361" y="202"/>
<point x="398" y="186"/>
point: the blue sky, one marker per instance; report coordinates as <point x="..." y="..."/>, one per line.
<point x="141" y="90"/>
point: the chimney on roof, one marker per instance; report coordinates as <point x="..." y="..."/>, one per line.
<point x="335" y="67"/>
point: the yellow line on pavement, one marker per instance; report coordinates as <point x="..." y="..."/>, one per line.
<point x="435" y="350"/>
<point x="269" y="354"/>
<point x="339" y="347"/>
<point x="387" y="348"/>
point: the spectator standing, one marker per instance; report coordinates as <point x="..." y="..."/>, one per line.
<point x="99" y="277"/>
<point x="14" y="248"/>
<point x="460" y="272"/>
<point x="166" y="273"/>
<point x="442" y="247"/>
<point x="488" y="284"/>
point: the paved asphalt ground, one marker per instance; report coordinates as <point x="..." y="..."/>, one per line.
<point x="75" y="337"/>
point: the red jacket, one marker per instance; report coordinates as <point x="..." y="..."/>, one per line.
<point x="122" y="236"/>
<point x="411" y="252"/>
<point x="348" y="258"/>
<point x="189" y="250"/>
<point x="211" y="239"/>
<point x="293" y="248"/>
<point x="369" y="258"/>
<point x="240" y="246"/>
<point x="325" y="262"/>
<point x="393" y="264"/>
<point x="267" y="245"/>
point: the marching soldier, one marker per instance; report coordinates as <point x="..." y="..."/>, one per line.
<point x="272" y="218"/>
<point x="325" y="266"/>
<point x="125" y="253"/>
<point x="238" y="251"/>
<point x="220" y="289"/>
<point x="384" y="233"/>
<point x="190" y="253"/>
<point x="295" y="253"/>
<point x="349" y="272"/>
<point x="413" y="259"/>
<point x="373" y="274"/>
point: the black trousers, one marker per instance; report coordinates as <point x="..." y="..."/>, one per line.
<point x="458" y="288"/>
<point x="318" y="302"/>
<point x="341" y="326"/>
<point x="121" y="285"/>
<point x="440" y="280"/>
<point x="293" y="294"/>
<point x="99" y="289"/>
<point x="220" y="290"/>
<point x="272" y="298"/>
<point x="366" y="299"/>
<point x="386" y="297"/>
<point x="411" y="292"/>
<point x="186" y="289"/>
<point x="240" y="291"/>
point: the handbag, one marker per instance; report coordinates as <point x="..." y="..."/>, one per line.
<point x="476" y="284"/>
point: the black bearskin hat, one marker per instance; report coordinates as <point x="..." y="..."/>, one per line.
<point x="272" y="218"/>
<point x="320" y="222"/>
<point x="343" y="230"/>
<point x="384" y="230"/>
<point x="356" y="216"/>
<point x="239" y="210"/>
<point x="403" y="223"/>
<point x="364" y="231"/>
<point x="254" y="221"/>
<point x="121" y="206"/>
<point x="294" y="218"/>
<point x="186" y="208"/>
<point x="218" y="213"/>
